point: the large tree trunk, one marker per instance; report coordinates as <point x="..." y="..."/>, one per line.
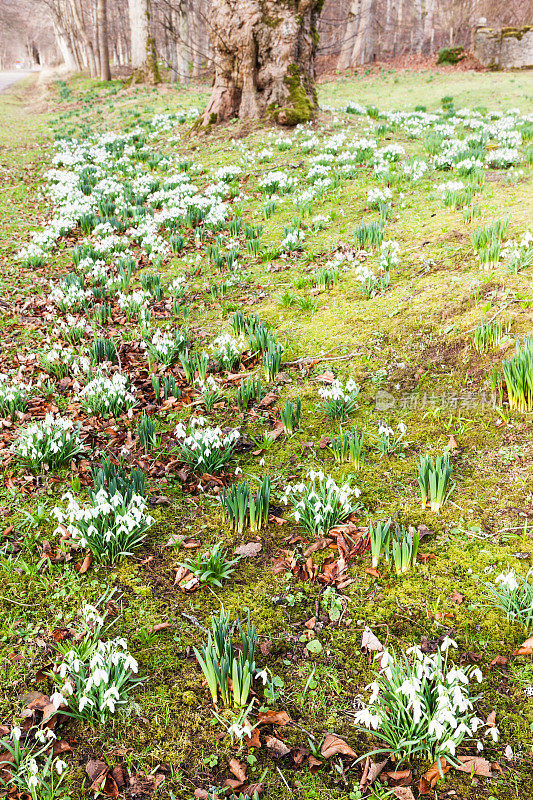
<point x="264" y="52"/>
<point x="143" y="51"/>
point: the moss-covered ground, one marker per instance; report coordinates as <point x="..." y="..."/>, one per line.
<point x="413" y="342"/>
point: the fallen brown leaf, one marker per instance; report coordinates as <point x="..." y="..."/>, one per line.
<point x="479" y="766"/>
<point x="499" y="661"/>
<point x="373" y="572"/>
<point x="253" y="740"/>
<point x="85" y="564"/>
<point x="403" y="793"/>
<point x="249" y="550"/>
<point x="370" y="642"/>
<point x="401" y="777"/>
<point x="371" y="771"/>
<point x="279" y="749"/>
<point x="273" y="718"/>
<point x="429" y="780"/>
<point x="326" y="377"/>
<point x="525" y="649"/>
<point x="334" y="745"/>
<point x="314" y="763"/>
<point x="238" y="769"/>
<point x="142" y="784"/>
<point x="456" y="597"/>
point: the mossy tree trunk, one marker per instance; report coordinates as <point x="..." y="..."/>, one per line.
<point x="264" y="54"/>
<point x="143" y="50"/>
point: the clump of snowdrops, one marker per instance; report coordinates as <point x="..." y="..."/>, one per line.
<point x="205" y="449"/>
<point x="422" y="704"/>
<point x="48" y="444"/>
<point x="111" y="526"/>
<point x="95" y="677"/>
<point x="320" y="504"/>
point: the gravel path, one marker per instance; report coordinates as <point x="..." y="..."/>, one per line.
<point x="8" y="78"/>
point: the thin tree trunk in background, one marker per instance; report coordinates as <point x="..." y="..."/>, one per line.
<point x="173" y="44"/>
<point x="183" y="41"/>
<point x="78" y="17"/>
<point x="143" y="49"/>
<point x="105" y="71"/>
<point x="397" y="28"/>
<point x="96" y="33"/>
<point x="418" y="29"/>
<point x="429" y="29"/>
<point x="345" y="56"/>
<point x="363" y="48"/>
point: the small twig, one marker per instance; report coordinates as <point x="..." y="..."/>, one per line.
<point x="496" y="314"/>
<point x="15" y="602"/>
<point x="190" y="618"/>
<point x="283" y="779"/>
<point x="309" y="359"/>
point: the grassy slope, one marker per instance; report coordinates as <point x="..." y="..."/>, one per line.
<point x="417" y="334"/>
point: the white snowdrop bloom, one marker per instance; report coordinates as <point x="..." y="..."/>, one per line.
<point x="84" y="701"/>
<point x="449" y="746"/>
<point x="447" y="643"/>
<point x="58" y="700"/>
<point x="366" y="718"/>
<point x="477" y="674"/>
<point x="493" y="732"/>
<point x="508" y="580"/>
<point x="60" y="766"/>
<point x="33" y="782"/>
<point x="435" y="728"/>
<point x="15" y="733"/>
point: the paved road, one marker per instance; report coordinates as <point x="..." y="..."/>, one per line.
<point x="8" y="78"/>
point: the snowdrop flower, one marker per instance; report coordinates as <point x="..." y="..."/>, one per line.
<point x="508" y="580"/>
<point x="477" y="674"/>
<point x="58" y="700"/>
<point x="449" y="746"/>
<point x="367" y="719"/>
<point x="447" y="643"/>
<point x="263" y="674"/>
<point x="435" y="728"/>
<point x="15" y="734"/>
<point x="61" y="766"/>
<point x="494" y="732"/>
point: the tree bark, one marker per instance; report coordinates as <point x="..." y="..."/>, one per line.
<point x="358" y="47"/>
<point x="143" y="49"/>
<point x="78" y="17"/>
<point x="105" y="71"/>
<point x="264" y="52"/>
<point x="345" y="56"/>
<point x="183" y="42"/>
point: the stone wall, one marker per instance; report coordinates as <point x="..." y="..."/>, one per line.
<point x="504" y="48"/>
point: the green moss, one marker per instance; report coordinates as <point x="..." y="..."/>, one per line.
<point x="302" y="103"/>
